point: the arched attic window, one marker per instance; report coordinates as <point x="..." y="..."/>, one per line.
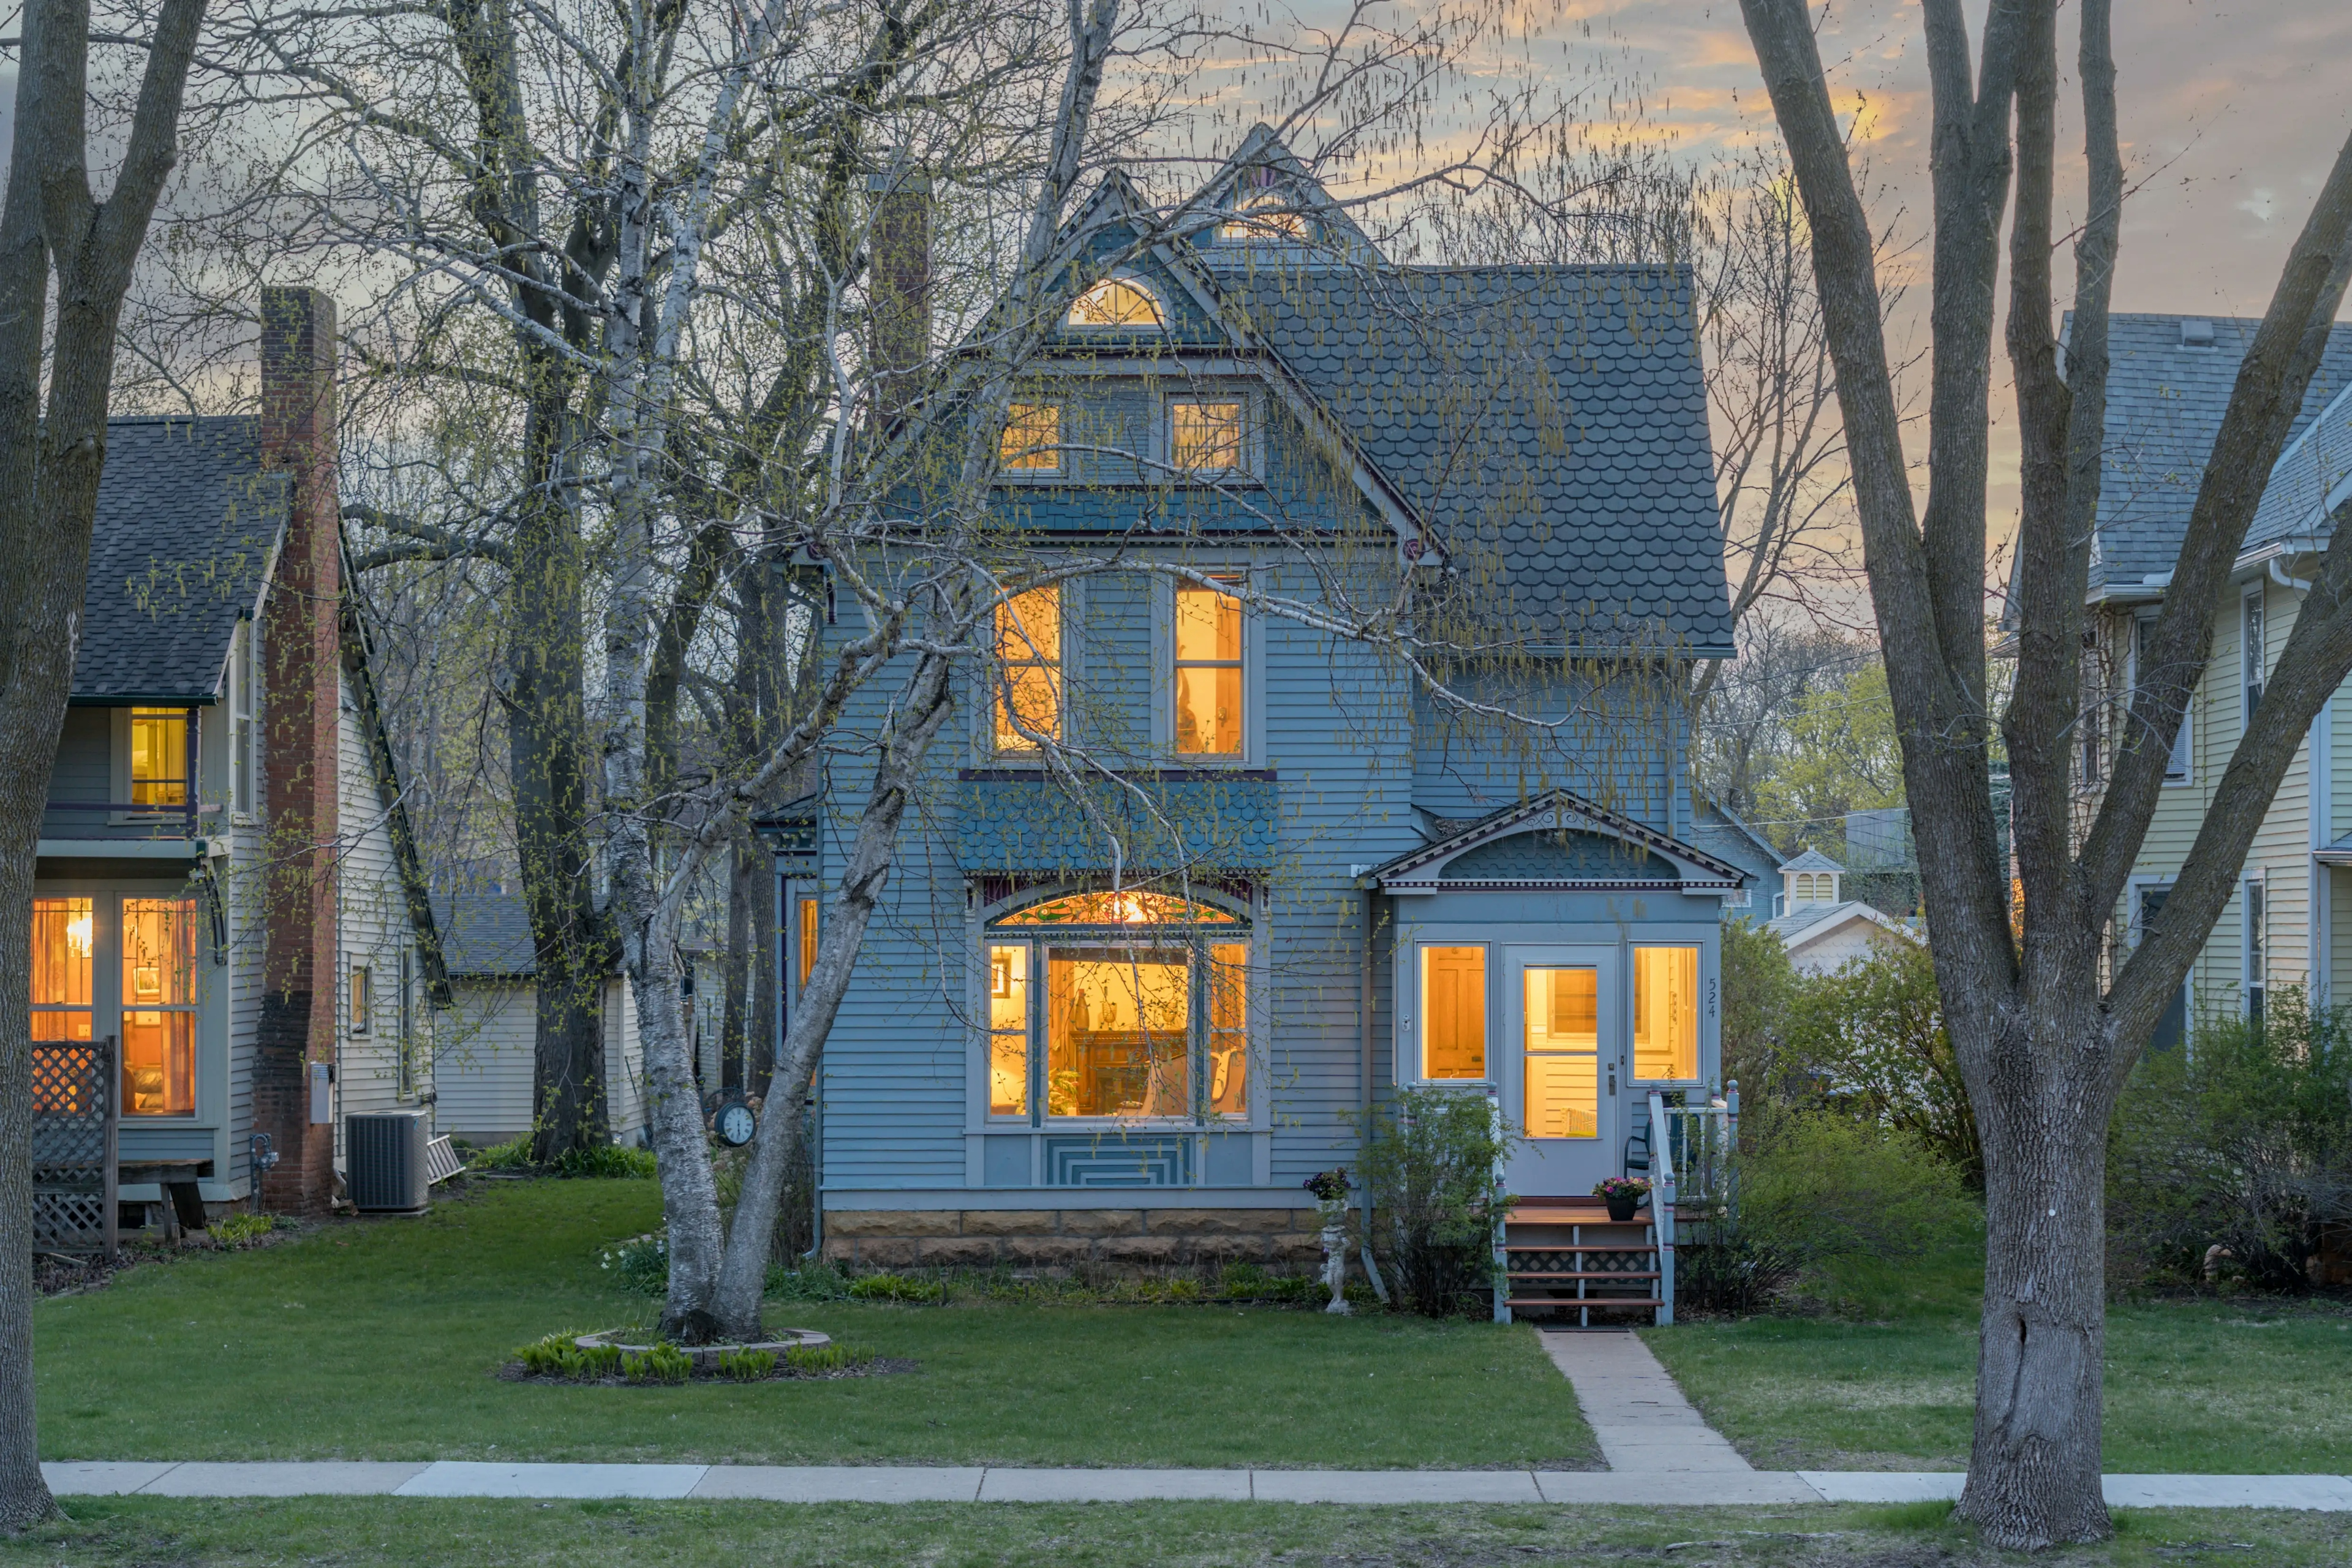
<point x="1116" y="302"/>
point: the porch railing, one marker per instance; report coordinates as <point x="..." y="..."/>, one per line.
<point x="1662" y="1203"/>
<point x="1699" y="1140"/>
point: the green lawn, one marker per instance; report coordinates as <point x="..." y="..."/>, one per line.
<point x="2240" y="1385"/>
<point x="141" y="1533"/>
<point x="380" y="1340"/>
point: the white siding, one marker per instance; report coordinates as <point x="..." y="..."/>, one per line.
<point x="482" y="1061"/>
<point x="373" y="930"/>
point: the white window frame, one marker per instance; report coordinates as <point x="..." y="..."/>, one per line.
<point x="2253" y="638"/>
<point x="2180" y="767"/>
<point x="2253" y="908"/>
<point x="985" y="671"/>
<point x="1163" y="675"/>
<point x="244" y="752"/>
<point x="2136" y="930"/>
<point x="1163" y="436"/>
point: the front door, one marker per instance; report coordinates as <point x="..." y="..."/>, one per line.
<point x="1559" y="1068"/>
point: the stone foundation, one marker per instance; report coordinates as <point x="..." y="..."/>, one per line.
<point x="1285" y="1240"/>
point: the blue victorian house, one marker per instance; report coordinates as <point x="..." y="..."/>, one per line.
<point x="1391" y="579"/>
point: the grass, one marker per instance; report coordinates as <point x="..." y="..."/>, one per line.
<point x="359" y="1532"/>
<point x="380" y="1339"/>
<point x="1886" y="1379"/>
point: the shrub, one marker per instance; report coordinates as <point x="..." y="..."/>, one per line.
<point x="747" y="1366"/>
<point x="811" y="1359"/>
<point x="657" y="1363"/>
<point x="898" y="1288"/>
<point x="236" y="1229"/>
<point x="558" y="1355"/>
<point x="809" y="1283"/>
<point x="1819" y="1185"/>
<point x="1430" y="1157"/>
<point x="1870" y="1038"/>
<point x="1722" y="1266"/>
<point x="1758" y="982"/>
<point x="2242" y="1142"/>
<point x="607" y="1160"/>
<point x="514" y="1154"/>
<point x="639" y="1263"/>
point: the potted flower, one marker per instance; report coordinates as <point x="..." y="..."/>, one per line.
<point x="1623" y="1195"/>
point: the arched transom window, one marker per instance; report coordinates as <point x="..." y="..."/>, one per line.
<point x="1142" y="1013"/>
<point x="1116" y="302"/>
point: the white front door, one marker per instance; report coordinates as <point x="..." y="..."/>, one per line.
<point x="1559" y="1067"/>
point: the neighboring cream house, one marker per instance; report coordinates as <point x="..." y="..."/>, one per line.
<point x="2169" y="388"/>
<point x="1822" y="928"/>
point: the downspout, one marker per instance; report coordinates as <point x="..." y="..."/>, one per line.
<point x="1364" y="1008"/>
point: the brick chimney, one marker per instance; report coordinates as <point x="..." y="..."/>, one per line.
<point x="899" y="285"/>
<point x="302" y="646"/>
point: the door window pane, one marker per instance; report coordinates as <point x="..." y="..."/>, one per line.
<point x="1665" y="1013"/>
<point x="1229" y="1029"/>
<point x="1453" y="1012"/>
<point x="64" y="934"/>
<point x="1561" y="1052"/>
<point x="1008" y="1030"/>
<point x="1116" y="1032"/>
<point x="159" y="1007"/>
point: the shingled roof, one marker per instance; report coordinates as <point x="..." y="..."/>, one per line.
<point x="1547" y="425"/>
<point x="186" y="520"/>
<point x="2167" y="392"/>
<point x="484" y="935"/>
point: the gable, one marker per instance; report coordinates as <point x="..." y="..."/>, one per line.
<point x="185" y="525"/>
<point x="1544" y="855"/>
<point x="1556" y="838"/>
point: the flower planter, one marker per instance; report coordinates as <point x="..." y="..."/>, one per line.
<point x="1622" y="1209"/>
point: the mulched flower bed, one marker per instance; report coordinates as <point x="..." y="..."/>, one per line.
<point x="880" y="1366"/>
<point x="633" y="1355"/>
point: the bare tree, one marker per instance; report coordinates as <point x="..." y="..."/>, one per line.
<point x="55" y="231"/>
<point x="2044" y="1044"/>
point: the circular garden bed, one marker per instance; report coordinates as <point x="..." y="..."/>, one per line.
<point x="635" y="1355"/>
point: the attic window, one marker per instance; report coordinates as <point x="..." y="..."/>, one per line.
<point x="1267" y="215"/>
<point x="2195" y="334"/>
<point x="1116" y="302"/>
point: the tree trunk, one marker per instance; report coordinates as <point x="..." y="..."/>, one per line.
<point x="2034" y="1466"/>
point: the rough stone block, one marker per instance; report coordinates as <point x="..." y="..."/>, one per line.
<point x="1141" y="1250"/>
<point x="1008" y="1222"/>
<point x="957" y="1252"/>
<point x="1299" y="1251"/>
<point x="1102" y="1222"/>
<point x="1227" y="1249"/>
<point x="890" y="1222"/>
<point x="1219" y="1222"/>
<point x="885" y="1252"/>
<point x="1046" y="1250"/>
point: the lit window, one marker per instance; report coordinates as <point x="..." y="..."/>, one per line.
<point x="1453" y="1012"/>
<point x="1028" y="705"/>
<point x="64" y="940"/>
<point x="808" y="940"/>
<point x="244" y="687"/>
<point x="1032" y="442"/>
<point x="1665" y="1013"/>
<point x="1144" y="1014"/>
<point x="359" y="998"/>
<point x="1116" y="302"/>
<point x="1562" y="1043"/>
<point x="1205" y="438"/>
<point x="159" y="756"/>
<point x="159" y="1007"/>
<point x="1208" y="673"/>
<point x="1008" y="1030"/>
<point x="1267" y="215"/>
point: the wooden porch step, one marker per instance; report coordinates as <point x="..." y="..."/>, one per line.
<point x="1515" y="1275"/>
<point x="1530" y="1303"/>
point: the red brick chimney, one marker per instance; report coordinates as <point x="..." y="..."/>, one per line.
<point x="900" y="286"/>
<point x="302" y="647"/>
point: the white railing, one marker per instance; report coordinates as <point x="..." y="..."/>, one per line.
<point x="1661" y="1203"/>
<point x="1502" y="1260"/>
<point x="1705" y="1136"/>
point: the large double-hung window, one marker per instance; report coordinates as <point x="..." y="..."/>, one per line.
<point x="1118" y="1005"/>
<point x="125" y="967"/>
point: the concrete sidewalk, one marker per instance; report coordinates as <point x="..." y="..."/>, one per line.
<point x="924" y="1483"/>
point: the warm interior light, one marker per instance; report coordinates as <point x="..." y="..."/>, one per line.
<point x="79" y="931"/>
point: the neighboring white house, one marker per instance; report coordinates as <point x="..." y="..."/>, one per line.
<point x="1821" y="927"/>
<point x="483" y="1046"/>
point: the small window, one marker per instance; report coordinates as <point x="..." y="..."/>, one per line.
<point x="1665" y="1014"/>
<point x="405" y="1067"/>
<point x="2257" y="961"/>
<point x="1028" y="706"/>
<point x="243" y="688"/>
<point x="159" y="756"/>
<point x="1008" y="1030"/>
<point x="1032" y="442"/>
<point x="2253" y="655"/>
<point x="360" y="996"/>
<point x="2176" y="765"/>
<point x="1208" y="673"/>
<point x="1116" y="302"/>
<point x="64" y="941"/>
<point x="1205" y="437"/>
<point x="807" y="917"/>
<point x="1269" y="215"/>
<point x="1454" y="1012"/>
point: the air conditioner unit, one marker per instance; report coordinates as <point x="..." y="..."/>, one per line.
<point x="384" y="1159"/>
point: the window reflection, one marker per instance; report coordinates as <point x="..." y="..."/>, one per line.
<point x="1116" y="1032"/>
<point x="1665" y="1013"/>
<point x="1562" y="1012"/>
<point x="64" y="938"/>
<point x="159" y="1007"/>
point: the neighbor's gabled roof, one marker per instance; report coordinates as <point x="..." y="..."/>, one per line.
<point x="186" y="524"/>
<point x="1814" y="860"/>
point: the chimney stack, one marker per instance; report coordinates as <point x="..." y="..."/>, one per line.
<point x="899" y="286"/>
<point x="302" y="647"/>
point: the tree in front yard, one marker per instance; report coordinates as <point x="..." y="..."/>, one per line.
<point x="2044" y="1036"/>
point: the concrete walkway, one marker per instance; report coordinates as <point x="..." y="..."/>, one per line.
<point x="1637" y="1410"/>
<point x="923" y="1483"/>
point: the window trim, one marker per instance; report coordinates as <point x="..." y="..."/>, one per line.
<point x="2184" y="743"/>
<point x="108" y="951"/>
<point x="1636" y="944"/>
<point x="2135" y="928"/>
<point x="358" y="997"/>
<point x="1163" y="439"/>
<point x="2254" y="637"/>
<point x="985" y="932"/>
<point x="2254" y="918"/>
<point x="1067" y="604"/>
<point x="1163" y="673"/>
<point x="1057" y="465"/>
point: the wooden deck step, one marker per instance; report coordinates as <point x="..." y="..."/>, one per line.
<point x="1573" y="1303"/>
<point x="1589" y="1274"/>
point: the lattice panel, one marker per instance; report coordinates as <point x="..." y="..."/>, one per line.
<point x="73" y="1146"/>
